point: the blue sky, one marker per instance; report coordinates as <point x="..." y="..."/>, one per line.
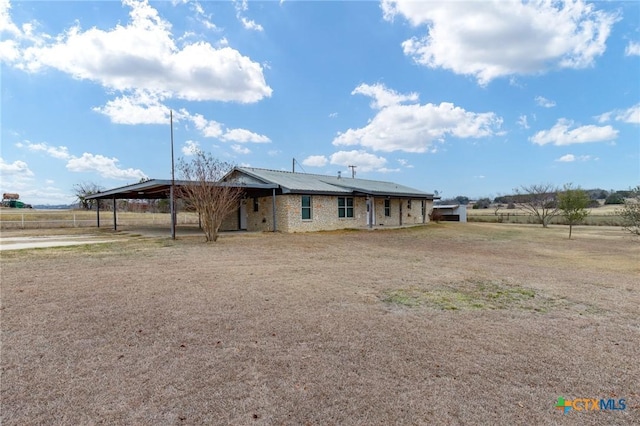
<point x="467" y="98"/>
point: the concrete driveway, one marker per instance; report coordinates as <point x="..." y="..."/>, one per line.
<point x="20" y="243"/>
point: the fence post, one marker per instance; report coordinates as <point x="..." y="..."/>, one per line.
<point x="74" y="220"/>
<point x="22" y="220"/>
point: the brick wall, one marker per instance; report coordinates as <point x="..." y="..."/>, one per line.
<point x="324" y="214"/>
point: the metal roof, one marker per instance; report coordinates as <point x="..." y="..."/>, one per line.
<point x="291" y="182"/>
<point x="446" y="206"/>
<point x="261" y="179"/>
<point x="157" y="189"/>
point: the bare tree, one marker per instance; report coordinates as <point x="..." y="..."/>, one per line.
<point x="630" y="212"/>
<point x="539" y="200"/>
<point x="573" y="203"/>
<point x="203" y="191"/>
<point x="84" y="189"/>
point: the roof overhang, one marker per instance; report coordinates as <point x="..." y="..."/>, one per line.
<point x="159" y="189"/>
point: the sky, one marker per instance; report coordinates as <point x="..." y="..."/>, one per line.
<point x="471" y="98"/>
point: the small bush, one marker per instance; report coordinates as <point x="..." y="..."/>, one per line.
<point x="614" y="198"/>
<point x="435" y="215"/>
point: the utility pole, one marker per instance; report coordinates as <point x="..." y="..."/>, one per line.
<point x="353" y="171"/>
<point x="173" y="184"/>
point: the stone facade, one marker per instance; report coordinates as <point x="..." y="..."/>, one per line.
<point x="324" y="213"/>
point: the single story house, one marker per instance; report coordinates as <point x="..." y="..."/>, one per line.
<point x="310" y="202"/>
<point x="275" y="200"/>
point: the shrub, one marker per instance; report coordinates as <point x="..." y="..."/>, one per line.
<point x="630" y="212"/>
<point x="614" y="198"/>
<point x="482" y="203"/>
<point x="435" y="215"/>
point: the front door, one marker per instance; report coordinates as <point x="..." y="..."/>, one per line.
<point x="243" y="215"/>
<point x="371" y="214"/>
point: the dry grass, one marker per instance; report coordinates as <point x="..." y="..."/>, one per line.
<point x="12" y="219"/>
<point x="325" y="328"/>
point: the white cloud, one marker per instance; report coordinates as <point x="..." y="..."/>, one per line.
<point x="383" y="97"/>
<point x="204" y="18"/>
<point x="142" y="55"/>
<point x="561" y="134"/>
<point x="6" y="24"/>
<point x="242" y="6"/>
<point x="239" y="149"/>
<point x="315" y="161"/>
<point x="522" y="122"/>
<point x="544" y="102"/>
<point x="633" y="49"/>
<point x="244" y="136"/>
<point x="104" y="166"/>
<point x="333" y="115"/>
<point x="629" y="115"/>
<point x="59" y="152"/>
<point x="190" y="148"/>
<point x="569" y="158"/>
<point x="250" y="24"/>
<point x="405" y="164"/>
<point x="363" y="160"/>
<point x="491" y="39"/>
<point x="17" y="168"/>
<point x="414" y="127"/>
<point x="141" y="107"/>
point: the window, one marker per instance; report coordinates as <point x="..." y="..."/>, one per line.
<point x="409" y="204"/>
<point x="345" y="207"/>
<point x="306" y="207"/>
<point x="256" y="205"/>
<point x="387" y="207"/>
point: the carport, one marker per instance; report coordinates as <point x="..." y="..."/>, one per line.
<point x="156" y="189"/>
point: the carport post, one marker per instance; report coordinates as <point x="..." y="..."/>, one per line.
<point x="115" y="223"/>
<point x="273" y="202"/>
<point x="98" y="212"/>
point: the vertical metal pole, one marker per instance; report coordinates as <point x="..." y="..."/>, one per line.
<point x="115" y="223"/>
<point x="98" y="212"/>
<point x="273" y="202"/>
<point x="400" y="211"/>
<point x="173" y="183"/>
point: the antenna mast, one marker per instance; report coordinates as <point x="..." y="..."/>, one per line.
<point x="353" y="171"/>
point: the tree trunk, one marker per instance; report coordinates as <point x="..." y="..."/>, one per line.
<point x="570" y="226"/>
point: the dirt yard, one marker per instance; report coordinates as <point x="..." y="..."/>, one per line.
<point x="443" y="324"/>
